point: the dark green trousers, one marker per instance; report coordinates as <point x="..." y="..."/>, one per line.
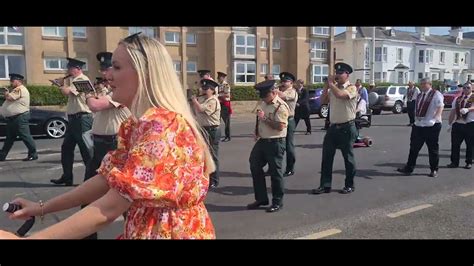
<point x="225" y="115"/>
<point x="77" y="125"/>
<point x="18" y="126"/>
<point x="290" y="145"/>
<point x="101" y="147"/>
<point x="339" y="137"/>
<point x="268" y="151"/>
<point x="214" y="134"/>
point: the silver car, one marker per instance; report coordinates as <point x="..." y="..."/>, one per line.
<point x="389" y="98"/>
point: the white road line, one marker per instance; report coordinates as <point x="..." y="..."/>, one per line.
<point x="60" y="166"/>
<point x="467" y="194"/>
<point x="322" y="234"/>
<point x="409" y="210"/>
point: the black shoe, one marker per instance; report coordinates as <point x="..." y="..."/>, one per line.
<point x="404" y="170"/>
<point x="410" y="125"/>
<point x="323" y="128"/>
<point x="226" y="139"/>
<point x="30" y="158"/>
<point x="288" y="173"/>
<point x="61" y="181"/>
<point x="433" y="174"/>
<point x="308" y="133"/>
<point x="451" y="165"/>
<point x="274" y="207"/>
<point x="2" y="159"/>
<point x="213" y="185"/>
<point x="347" y="190"/>
<point x="321" y="190"/>
<point x="468" y="166"/>
<point x="256" y="205"/>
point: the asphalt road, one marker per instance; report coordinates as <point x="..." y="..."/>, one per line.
<point x="385" y="204"/>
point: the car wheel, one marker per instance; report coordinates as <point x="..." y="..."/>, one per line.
<point x="56" y="128"/>
<point x="376" y="111"/>
<point x="397" y="108"/>
<point x="324" y="110"/>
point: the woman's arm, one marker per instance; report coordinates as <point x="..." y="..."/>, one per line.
<point x="89" y="220"/>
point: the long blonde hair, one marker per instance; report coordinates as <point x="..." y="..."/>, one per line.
<point x="158" y="85"/>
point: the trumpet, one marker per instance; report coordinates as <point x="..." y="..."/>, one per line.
<point x="59" y="81"/>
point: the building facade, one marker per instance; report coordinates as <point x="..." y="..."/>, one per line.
<point x="402" y="56"/>
<point x="246" y="54"/>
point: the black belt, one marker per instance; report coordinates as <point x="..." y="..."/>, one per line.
<point x="78" y="115"/>
<point x="210" y="127"/>
<point x="105" y="137"/>
<point x="273" y="140"/>
<point x="15" y="116"/>
<point x="343" y="124"/>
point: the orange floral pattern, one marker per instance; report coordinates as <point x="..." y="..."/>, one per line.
<point x="159" y="167"/>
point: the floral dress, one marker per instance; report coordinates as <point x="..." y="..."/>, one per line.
<point x="159" y="167"/>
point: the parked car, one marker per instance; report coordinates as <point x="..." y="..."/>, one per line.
<point x="389" y="98"/>
<point x="449" y="97"/>
<point x="42" y="122"/>
<point x="315" y="105"/>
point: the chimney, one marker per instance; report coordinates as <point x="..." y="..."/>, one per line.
<point x="423" y="32"/>
<point x="456" y="32"/>
<point x="351" y="33"/>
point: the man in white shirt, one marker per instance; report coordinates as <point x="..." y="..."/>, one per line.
<point x="428" y="109"/>
<point x="462" y="114"/>
<point x="411" y="95"/>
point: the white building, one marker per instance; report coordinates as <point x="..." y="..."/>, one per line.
<point x="402" y="56"/>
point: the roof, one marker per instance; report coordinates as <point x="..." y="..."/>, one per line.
<point x="401" y="66"/>
<point x="380" y="33"/>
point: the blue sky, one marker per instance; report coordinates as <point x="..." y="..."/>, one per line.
<point x="433" y="30"/>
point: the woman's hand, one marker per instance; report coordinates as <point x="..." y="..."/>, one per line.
<point x="28" y="209"/>
<point x="8" y="235"/>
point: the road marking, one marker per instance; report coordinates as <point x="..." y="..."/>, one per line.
<point x="467" y="194"/>
<point x="322" y="234"/>
<point x="60" y="166"/>
<point x="409" y="210"/>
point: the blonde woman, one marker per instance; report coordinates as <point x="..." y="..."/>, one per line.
<point x="160" y="170"/>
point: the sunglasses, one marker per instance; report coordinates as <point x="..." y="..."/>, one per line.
<point x="135" y="38"/>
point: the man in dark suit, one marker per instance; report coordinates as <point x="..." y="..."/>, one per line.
<point x="302" y="106"/>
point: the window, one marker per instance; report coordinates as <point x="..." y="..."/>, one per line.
<point x="79" y="32"/>
<point x="434" y="76"/>
<point x="244" y="45"/>
<point x="420" y="76"/>
<point x="319" y="49"/>
<point x="421" y="56"/>
<point x="378" y="76"/>
<point x="172" y="37"/>
<point x="320" y="30"/>
<point x="190" y="38"/>
<point x="367" y="57"/>
<point x="392" y="90"/>
<point x="263" y="68"/>
<point x="54" y="31"/>
<point x="55" y="64"/>
<point x="429" y="56"/>
<point x="466" y="56"/>
<point x="264" y="43"/>
<point x="402" y="90"/>
<point x="381" y="54"/>
<point x="191" y="67"/>
<point x="148" y="31"/>
<point x="276" y="71"/>
<point x="244" y="72"/>
<point x="11" y="36"/>
<point x="11" y="64"/>
<point x="456" y="58"/>
<point x="276" y="44"/>
<point x="442" y="56"/>
<point x="384" y="76"/>
<point x="177" y="66"/>
<point x="455" y="75"/>
<point x="320" y="72"/>
<point x="399" y="55"/>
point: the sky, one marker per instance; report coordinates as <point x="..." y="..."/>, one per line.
<point x="433" y="30"/>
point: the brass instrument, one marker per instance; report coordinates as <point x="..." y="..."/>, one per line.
<point x="57" y="82"/>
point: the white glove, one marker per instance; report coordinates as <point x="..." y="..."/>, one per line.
<point x="464" y="111"/>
